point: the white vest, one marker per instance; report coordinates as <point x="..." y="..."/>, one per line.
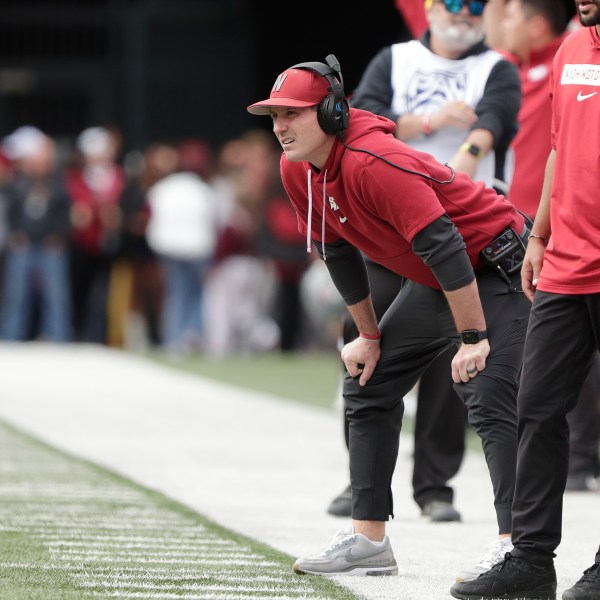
<point x="427" y="81"/>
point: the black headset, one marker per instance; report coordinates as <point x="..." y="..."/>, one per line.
<point x="333" y="112"/>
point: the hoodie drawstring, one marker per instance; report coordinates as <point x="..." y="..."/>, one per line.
<point x="309" y="224"/>
<point x="310" y="208"/>
<point x="323" y="217"/>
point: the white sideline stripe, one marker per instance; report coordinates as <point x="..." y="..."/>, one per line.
<point x="204" y="540"/>
<point x="229" y="596"/>
<point x="79" y="515"/>
<point x="151" y="573"/>
<point x="66" y="492"/>
<point x="82" y="524"/>
<point x="137" y="510"/>
<point x="145" y="573"/>
<point x="50" y="530"/>
<point x="172" y="575"/>
<point x="196" y="587"/>
<point x="229" y="562"/>
<point x="134" y="554"/>
<point x="145" y="546"/>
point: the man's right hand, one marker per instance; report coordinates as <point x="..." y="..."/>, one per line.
<point x="360" y="358"/>
<point x="532" y="266"/>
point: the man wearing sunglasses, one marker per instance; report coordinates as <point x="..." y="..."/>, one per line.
<point x="453" y="97"/>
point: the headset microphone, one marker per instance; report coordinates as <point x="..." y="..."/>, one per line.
<point x="334" y="64"/>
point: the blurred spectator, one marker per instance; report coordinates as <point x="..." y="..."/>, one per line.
<point x="182" y="230"/>
<point x="323" y="305"/>
<point x="282" y="243"/>
<point x="6" y="169"/>
<point x="242" y="285"/>
<point x="137" y="291"/>
<point x="95" y="184"/>
<point x="37" y="266"/>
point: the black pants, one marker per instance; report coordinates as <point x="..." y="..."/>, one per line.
<point x="416" y="329"/>
<point x="439" y="437"/>
<point x="562" y="339"/>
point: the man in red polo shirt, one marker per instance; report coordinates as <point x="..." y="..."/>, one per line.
<point x="561" y="274"/>
<point x="530" y="32"/>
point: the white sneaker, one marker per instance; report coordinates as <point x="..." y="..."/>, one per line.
<point x="494" y="555"/>
<point x="350" y="553"/>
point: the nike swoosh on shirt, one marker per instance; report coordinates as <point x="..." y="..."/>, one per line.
<point x="343" y="219"/>
<point x="582" y="97"/>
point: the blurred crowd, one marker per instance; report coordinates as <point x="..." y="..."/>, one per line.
<point x="180" y="246"/>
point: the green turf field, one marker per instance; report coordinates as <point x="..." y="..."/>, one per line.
<point x="310" y="377"/>
<point x="70" y="530"/>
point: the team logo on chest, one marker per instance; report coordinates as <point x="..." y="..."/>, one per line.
<point x="334" y="207"/>
<point x="435" y="89"/>
<point x="583" y="76"/>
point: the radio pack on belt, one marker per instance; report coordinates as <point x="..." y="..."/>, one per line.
<point x="505" y="254"/>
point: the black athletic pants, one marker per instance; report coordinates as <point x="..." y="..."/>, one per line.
<point x="562" y="339"/>
<point x="439" y="437"/>
<point x="416" y="329"/>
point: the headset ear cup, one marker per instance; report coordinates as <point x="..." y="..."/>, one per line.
<point x="325" y="117"/>
<point x="345" y="114"/>
<point x="333" y="114"/>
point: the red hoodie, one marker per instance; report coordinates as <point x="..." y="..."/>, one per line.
<point x="379" y="208"/>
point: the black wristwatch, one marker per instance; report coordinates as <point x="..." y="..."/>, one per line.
<point x="472" y="149"/>
<point x="473" y="336"/>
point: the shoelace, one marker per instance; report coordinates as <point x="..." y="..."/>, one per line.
<point x="591" y="575"/>
<point x="493" y="555"/>
<point x="507" y="558"/>
<point x="338" y="541"/>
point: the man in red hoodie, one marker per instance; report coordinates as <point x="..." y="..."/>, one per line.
<point x="356" y="188"/>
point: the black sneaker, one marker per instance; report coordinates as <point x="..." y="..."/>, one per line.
<point x="512" y="578"/>
<point x="588" y="587"/>
<point x="341" y="506"/>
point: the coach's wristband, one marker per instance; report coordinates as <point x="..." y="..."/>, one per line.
<point x="426" y="124"/>
<point x="372" y="337"/>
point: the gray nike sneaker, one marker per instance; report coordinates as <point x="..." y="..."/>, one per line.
<point x="350" y="553"/>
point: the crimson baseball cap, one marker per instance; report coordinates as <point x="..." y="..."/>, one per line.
<point x="294" y="87"/>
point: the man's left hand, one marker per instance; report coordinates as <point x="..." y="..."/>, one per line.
<point x="469" y="361"/>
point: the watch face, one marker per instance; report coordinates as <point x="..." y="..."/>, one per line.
<point x="471" y="336"/>
<point x="474" y="150"/>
